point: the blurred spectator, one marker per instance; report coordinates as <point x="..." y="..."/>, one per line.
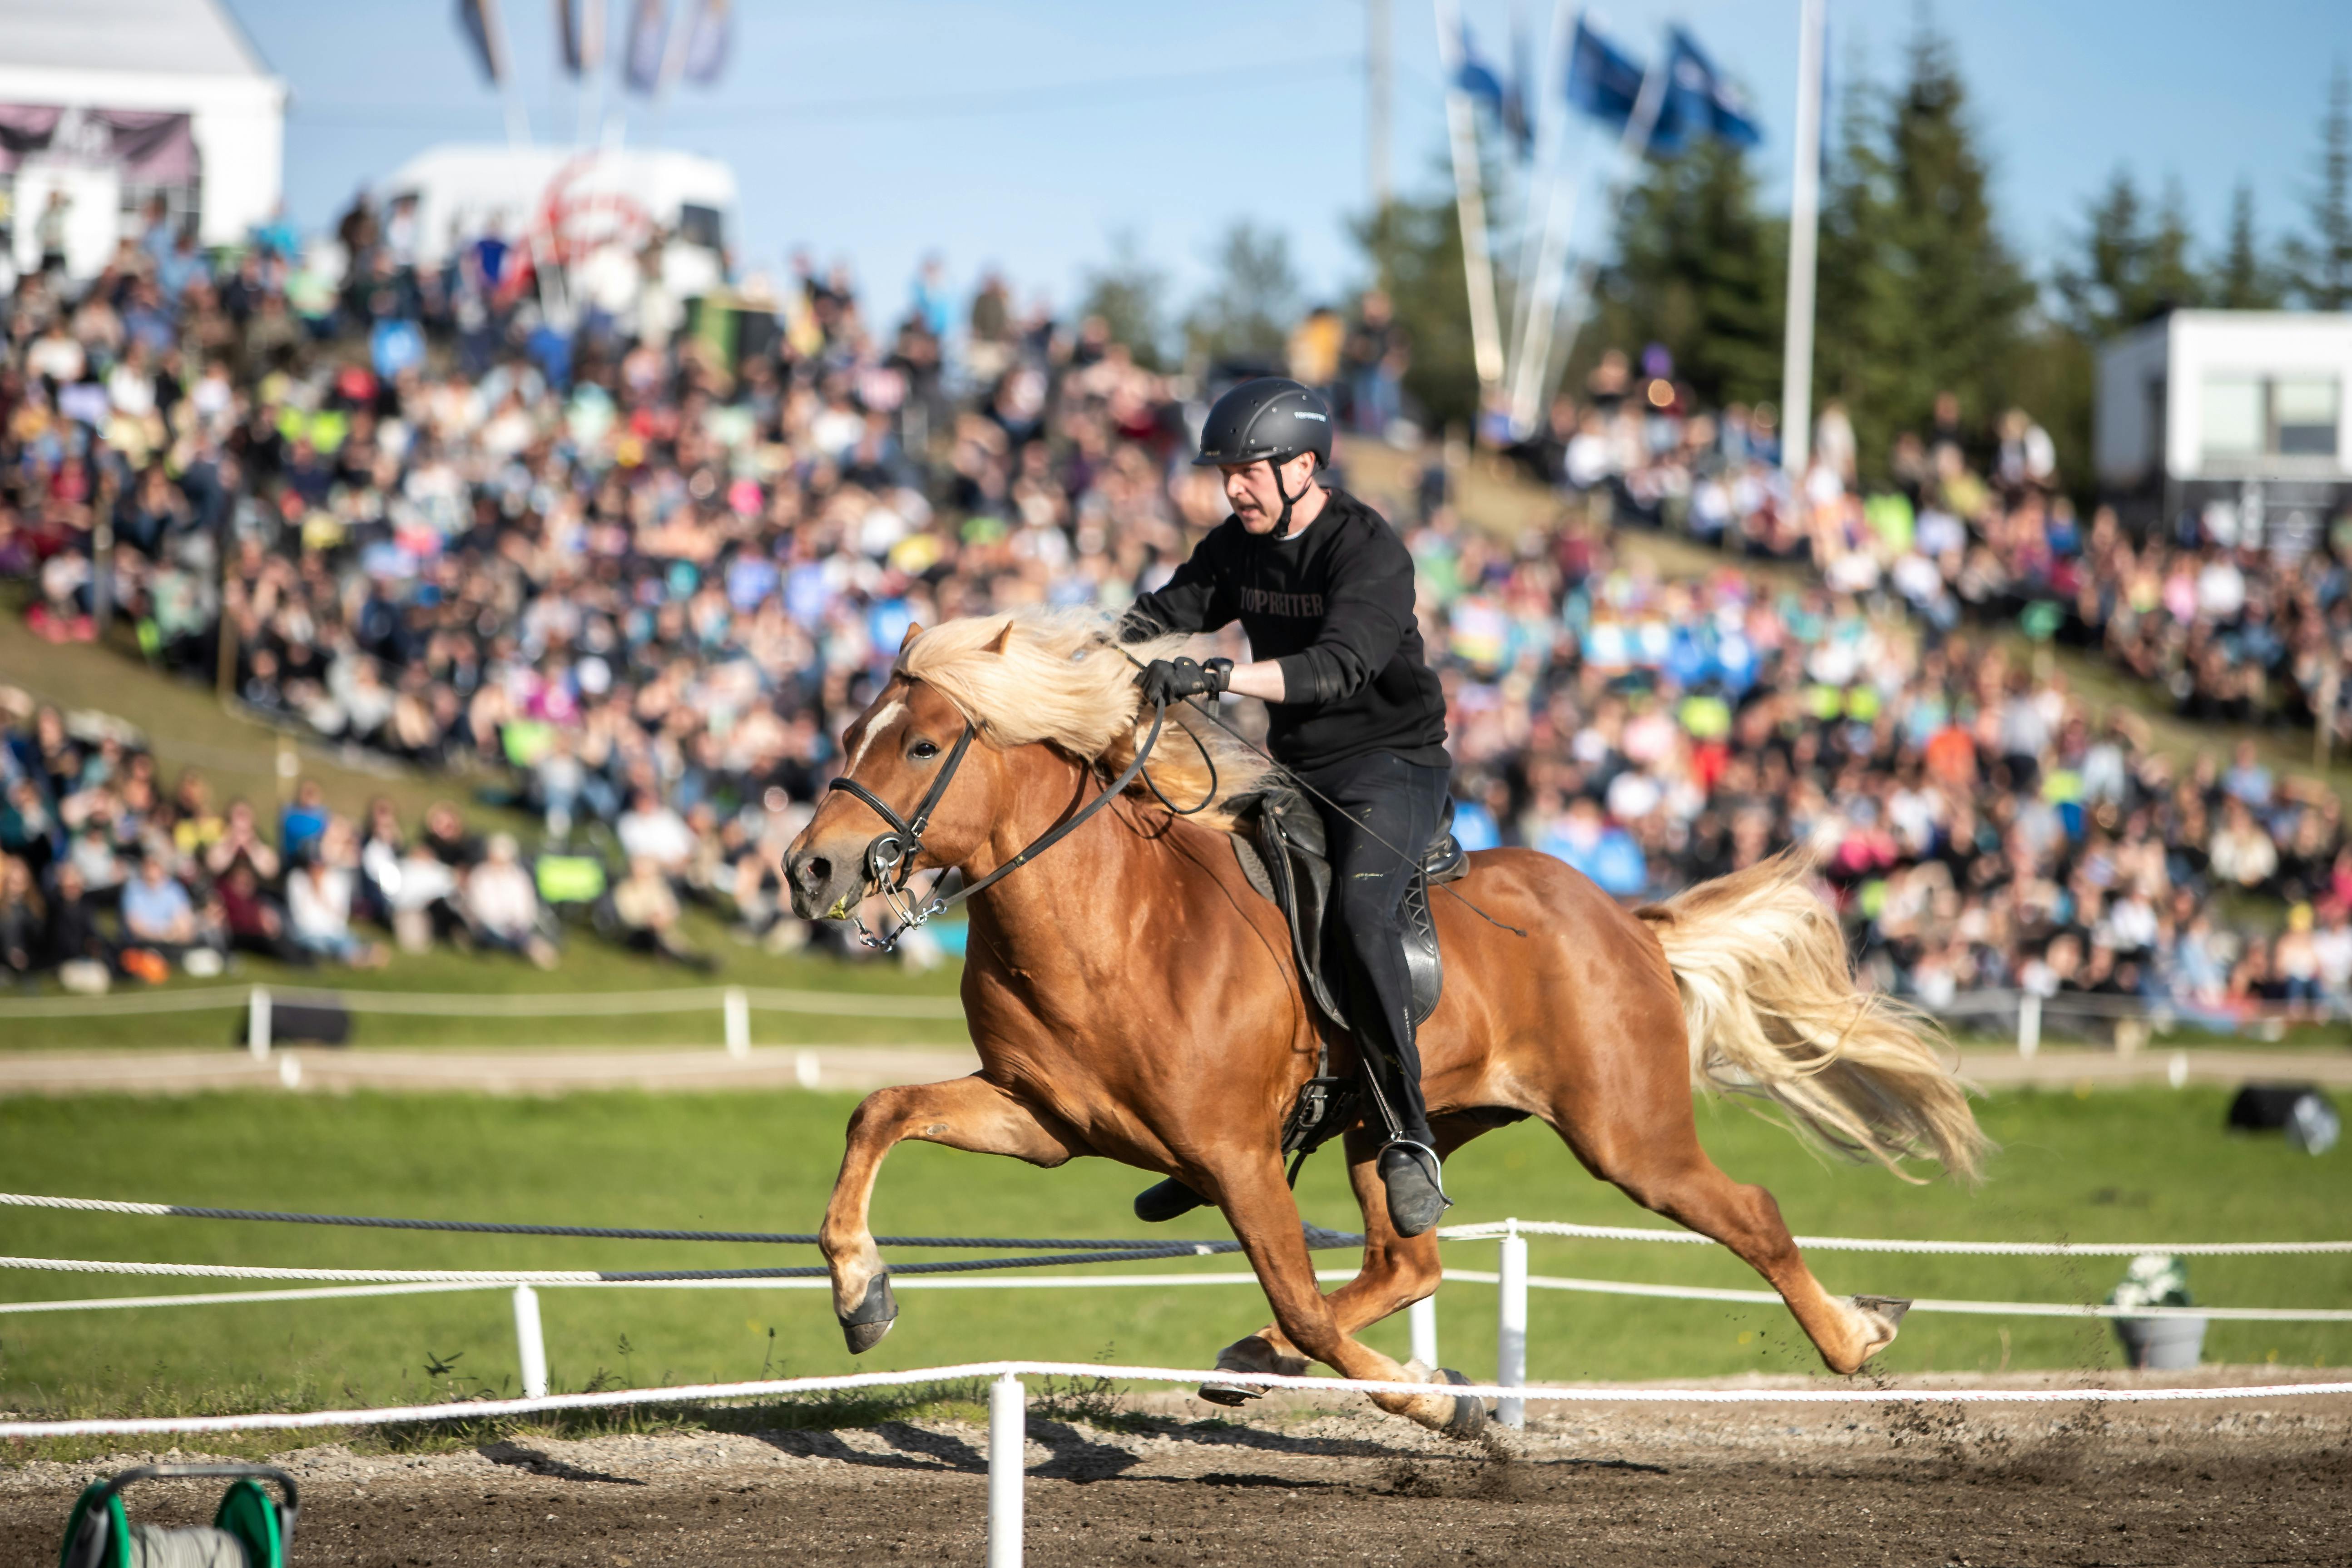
<point x="503" y="906"/>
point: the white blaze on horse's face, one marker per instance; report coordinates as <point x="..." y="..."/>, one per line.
<point x="888" y="714"/>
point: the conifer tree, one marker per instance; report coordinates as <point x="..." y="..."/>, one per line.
<point x="2322" y="260"/>
<point x="1700" y="271"/>
<point x="2242" y="279"/>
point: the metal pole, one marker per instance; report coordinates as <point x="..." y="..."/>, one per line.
<point x="2028" y="1023"/>
<point x="1422" y="1318"/>
<point x="1511" y="1326"/>
<point x="530" y="1344"/>
<point x="1378" y="91"/>
<point x="1542" y="251"/>
<point x="737" y="1009"/>
<point x="1804" y="233"/>
<point x="1469" y="206"/>
<point x="257" y="1023"/>
<point x="1551" y="131"/>
<point x="1008" y="1432"/>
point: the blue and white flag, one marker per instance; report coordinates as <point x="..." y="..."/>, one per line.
<point x="1604" y="81"/>
<point x="641" y="64"/>
<point x="1475" y="79"/>
<point x="1699" y="103"/>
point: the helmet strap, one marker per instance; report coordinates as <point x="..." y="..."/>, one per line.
<point x="1282" y="524"/>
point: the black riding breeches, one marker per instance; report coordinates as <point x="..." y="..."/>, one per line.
<point x="1379" y="816"/>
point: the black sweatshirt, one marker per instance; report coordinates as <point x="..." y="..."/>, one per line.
<point x="1333" y="606"/>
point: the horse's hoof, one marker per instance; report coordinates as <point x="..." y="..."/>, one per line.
<point x="865" y="1327"/>
<point x="1230" y="1394"/>
<point x="1159" y="1204"/>
<point x="1887" y="1312"/>
<point x="1469" y="1418"/>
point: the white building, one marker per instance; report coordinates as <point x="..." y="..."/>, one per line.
<point x="2239" y="416"/>
<point x="110" y="103"/>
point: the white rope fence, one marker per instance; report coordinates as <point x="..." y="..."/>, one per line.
<point x="1493" y="1230"/>
<point x="424" y="1281"/>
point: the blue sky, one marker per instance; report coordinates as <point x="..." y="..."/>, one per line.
<point x="1027" y="136"/>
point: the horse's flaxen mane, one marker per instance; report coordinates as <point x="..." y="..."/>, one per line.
<point x="1060" y="678"/>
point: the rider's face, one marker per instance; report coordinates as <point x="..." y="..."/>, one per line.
<point x="1249" y="489"/>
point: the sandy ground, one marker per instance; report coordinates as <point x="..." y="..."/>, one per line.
<point x="2266" y="1481"/>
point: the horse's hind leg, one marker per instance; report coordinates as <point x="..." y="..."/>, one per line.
<point x="1646" y="1143"/>
<point x="968" y="1113"/>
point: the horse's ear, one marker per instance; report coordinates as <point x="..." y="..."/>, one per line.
<point x="914" y="630"/>
<point x="996" y="644"/>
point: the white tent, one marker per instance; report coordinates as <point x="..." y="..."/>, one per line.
<point x="112" y="101"/>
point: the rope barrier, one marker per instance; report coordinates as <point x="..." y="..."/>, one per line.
<point x="815" y="1281"/>
<point x="1492" y="1229"/>
<point x="581" y="1275"/>
<point x="459" y="1004"/>
<point x="1316" y="1237"/>
<point x="696" y="1394"/>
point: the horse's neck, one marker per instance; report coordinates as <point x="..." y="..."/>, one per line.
<point x="1048" y="917"/>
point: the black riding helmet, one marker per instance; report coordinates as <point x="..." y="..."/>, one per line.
<point x="1273" y="418"/>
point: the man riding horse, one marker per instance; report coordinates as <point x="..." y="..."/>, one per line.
<point x="1324" y="588"/>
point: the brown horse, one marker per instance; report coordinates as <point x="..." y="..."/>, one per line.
<point x="1132" y="998"/>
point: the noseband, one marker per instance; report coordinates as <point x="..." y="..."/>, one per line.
<point x="889" y="859"/>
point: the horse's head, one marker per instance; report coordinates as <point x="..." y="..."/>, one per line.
<point x="894" y="752"/>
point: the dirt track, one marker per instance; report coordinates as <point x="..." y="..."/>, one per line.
<point x="2268" y="1481"/>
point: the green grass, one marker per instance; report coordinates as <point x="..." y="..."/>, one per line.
<point x="2121" y="1165"/>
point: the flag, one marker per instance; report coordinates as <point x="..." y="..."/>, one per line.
<point x="580" y="25"/>
<point x="479" y="21"/>
<point x="648" y="40"/>
<point x="1519" y="97"/>
<point x="1475" y="78"/>
<point x="1602" y="79"/>
<point x="705" y="45"/>
<point x="1699" y="103"/>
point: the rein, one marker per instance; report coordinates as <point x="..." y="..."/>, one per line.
<point x="891" y="856"/>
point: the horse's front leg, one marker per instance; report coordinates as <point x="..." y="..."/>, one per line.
<point x="968" y="1113"/>
<point x="1257" y="1204"/>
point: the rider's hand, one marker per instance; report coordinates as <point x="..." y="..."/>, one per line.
<point x="1172" y="679"/>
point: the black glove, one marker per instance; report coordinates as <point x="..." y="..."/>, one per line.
<point x="1173" y="679"/>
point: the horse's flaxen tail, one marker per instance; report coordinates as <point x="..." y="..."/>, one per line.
<point x="1774" y="1012"/>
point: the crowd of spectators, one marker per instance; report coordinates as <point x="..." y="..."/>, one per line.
<point x="2229" y="619"/>
<point x="640" y="585"/>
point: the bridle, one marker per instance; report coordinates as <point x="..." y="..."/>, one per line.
<point x="889" y="859"/>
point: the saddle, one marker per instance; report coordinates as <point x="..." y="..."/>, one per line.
<point x="1281" y="847"/>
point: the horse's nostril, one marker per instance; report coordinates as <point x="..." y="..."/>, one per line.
<point x="818" y="870"/>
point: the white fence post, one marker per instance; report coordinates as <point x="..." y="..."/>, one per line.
<point x="738" y="1008"/>
<point x="1008" y="1432"/>
<point x="1422" y="1318"/>
<point x="2028" y="1023"/>
<point x="1511" y="1325"/>
<point x="530" y="1344"/>
<point x="257" y="1022"/>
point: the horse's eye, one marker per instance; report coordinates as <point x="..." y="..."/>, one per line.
<point x="923" y="751"/>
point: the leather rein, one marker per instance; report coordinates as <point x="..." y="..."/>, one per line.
<point x="889" y="859"/>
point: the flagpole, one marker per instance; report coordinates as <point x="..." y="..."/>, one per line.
<point x="1804" y="236"/>
<point x="1469" y="205"/>
<point x="1640" y="126"/>
<point x="1550" y="167"/>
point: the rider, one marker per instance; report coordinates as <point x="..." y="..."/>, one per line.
<point x="1324" y="589"/>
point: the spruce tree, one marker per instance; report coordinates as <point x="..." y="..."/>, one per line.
<point x="2242" y="279"/>
<point x="2322" y="260"/>
<point x="1700" y="271"/>
<point x="1961" y="298"/>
